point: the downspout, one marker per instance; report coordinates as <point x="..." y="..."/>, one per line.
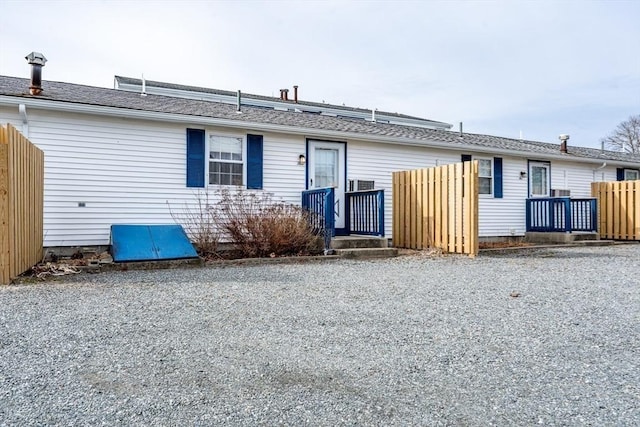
<point x="22" y="109"/>
<point x="604" y="165"/>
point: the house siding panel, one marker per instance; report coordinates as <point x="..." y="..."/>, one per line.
<point x="123" y="171"/>
<point x="131" y="171"/>
<point x="505" y="216"/>
<point x="283" y="176"/>
<point x="578" y="177"/>
<point x="497" y="216"/>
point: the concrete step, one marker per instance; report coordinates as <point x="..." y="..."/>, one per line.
<point x="354" y="242"/>
<point x="367" y="252"/>
<point x="541" y="237"/>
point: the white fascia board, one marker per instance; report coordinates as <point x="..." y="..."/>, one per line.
<point x="306" y="132"/>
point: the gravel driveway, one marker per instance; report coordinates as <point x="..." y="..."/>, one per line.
<point x="549" y="337"/>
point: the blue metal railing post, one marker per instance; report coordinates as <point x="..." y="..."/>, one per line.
<point x="347" y="212"/>
<point x="567" y="215"/>
<point x="381" y="213"/>
<point x="552" y="214"/>
<point x="320" y="205"/>
<point x="329" y="218"/>
<point x="528" y="214"/>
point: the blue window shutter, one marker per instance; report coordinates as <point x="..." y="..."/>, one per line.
<point x="195" y="158"/>
<point x="254" y="162"/>
<point x="497" y="177"/>
<point x="466" y="157"/>
<point x="620" y="174"/>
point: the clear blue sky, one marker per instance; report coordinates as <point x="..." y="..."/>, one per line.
<point x="501" y="67"/>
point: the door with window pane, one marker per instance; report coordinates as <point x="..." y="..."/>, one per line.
<point x="539" y="179"/>
<point x="326" y="169"/>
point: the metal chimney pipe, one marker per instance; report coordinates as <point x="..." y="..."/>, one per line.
<point x="563" y="142"/>
<point x="239" y="102"/>
<point x="286" y="94"/>
<point x="295" y="94"/>
<point x="460" y="129"/>
<point x="37" y="61"/>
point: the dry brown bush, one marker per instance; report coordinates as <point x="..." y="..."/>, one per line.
<point x="262" y="227"/>
<point x="200" y="224"/>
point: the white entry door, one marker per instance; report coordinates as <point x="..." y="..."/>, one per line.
<point x="326" y="168"/>
<point x="539" y="179"/>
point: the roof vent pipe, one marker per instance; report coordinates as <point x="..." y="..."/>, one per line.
<point x="239" y="102"/>
<point x="144" y="87"/>
<point x="286" y="94"/>
<point x="563" y="142"/>
<point x="295" y="94"/>
<point x="460" y="130"/>
<point x="37" y="61"/>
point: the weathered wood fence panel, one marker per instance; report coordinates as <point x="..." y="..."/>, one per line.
<point x="21" y="203"/>
<point x="618" y="209"/>
<point x="437" y="208"/>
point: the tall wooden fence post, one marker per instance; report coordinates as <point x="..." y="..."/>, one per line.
<point x="4" y="207"/>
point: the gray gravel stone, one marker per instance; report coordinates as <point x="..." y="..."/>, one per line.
<point x="547" y="337"/>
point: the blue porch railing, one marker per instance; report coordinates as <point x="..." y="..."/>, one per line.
<point x="365" y="212"/>
<point x="562" y="214"/>
<point x="319" y="203"/>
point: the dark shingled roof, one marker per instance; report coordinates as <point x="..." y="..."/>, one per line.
<point x="89" y="95"/>
<point x="164" y="85"/>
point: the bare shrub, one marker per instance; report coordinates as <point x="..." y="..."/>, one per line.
<point x="200" y="224"/>
<point x="262" y="227"/>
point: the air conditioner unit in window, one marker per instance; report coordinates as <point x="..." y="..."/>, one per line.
<point x="360" y="185"/>
<point x="560" y="193"/>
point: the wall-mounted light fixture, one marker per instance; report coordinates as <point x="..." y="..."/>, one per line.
<point x="523" y="175"/>
<point x="302" y="160"/>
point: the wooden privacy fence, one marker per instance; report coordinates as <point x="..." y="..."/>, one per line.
<point x="618" y="209"/>
<point x="437" y="208"/>
<point x="21" y="203"/>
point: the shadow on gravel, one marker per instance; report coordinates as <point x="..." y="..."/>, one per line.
<point x="567" y="253"/>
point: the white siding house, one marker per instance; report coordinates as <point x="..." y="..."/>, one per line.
<point x="113" y="156"/>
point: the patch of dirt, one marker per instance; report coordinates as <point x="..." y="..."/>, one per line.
<point x="428" y="252"/>
<point x="502" y="245"/>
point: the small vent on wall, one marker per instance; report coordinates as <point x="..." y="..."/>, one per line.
<point x="560" y="193"/>
<point x="360" y="185"/>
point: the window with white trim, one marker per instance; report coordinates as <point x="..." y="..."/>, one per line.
<point x="631" y="174"/>
<point x="225" y="160"/>
<point x="485" y="176"/>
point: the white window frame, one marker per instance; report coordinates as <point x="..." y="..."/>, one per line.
<point x="491" y="178"/>
<point x="547" y="166"/>
<point x="243" y="161"/>
<point x="629" y="172"/>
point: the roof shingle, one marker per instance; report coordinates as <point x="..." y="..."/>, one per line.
<point x="89" y="95"/>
